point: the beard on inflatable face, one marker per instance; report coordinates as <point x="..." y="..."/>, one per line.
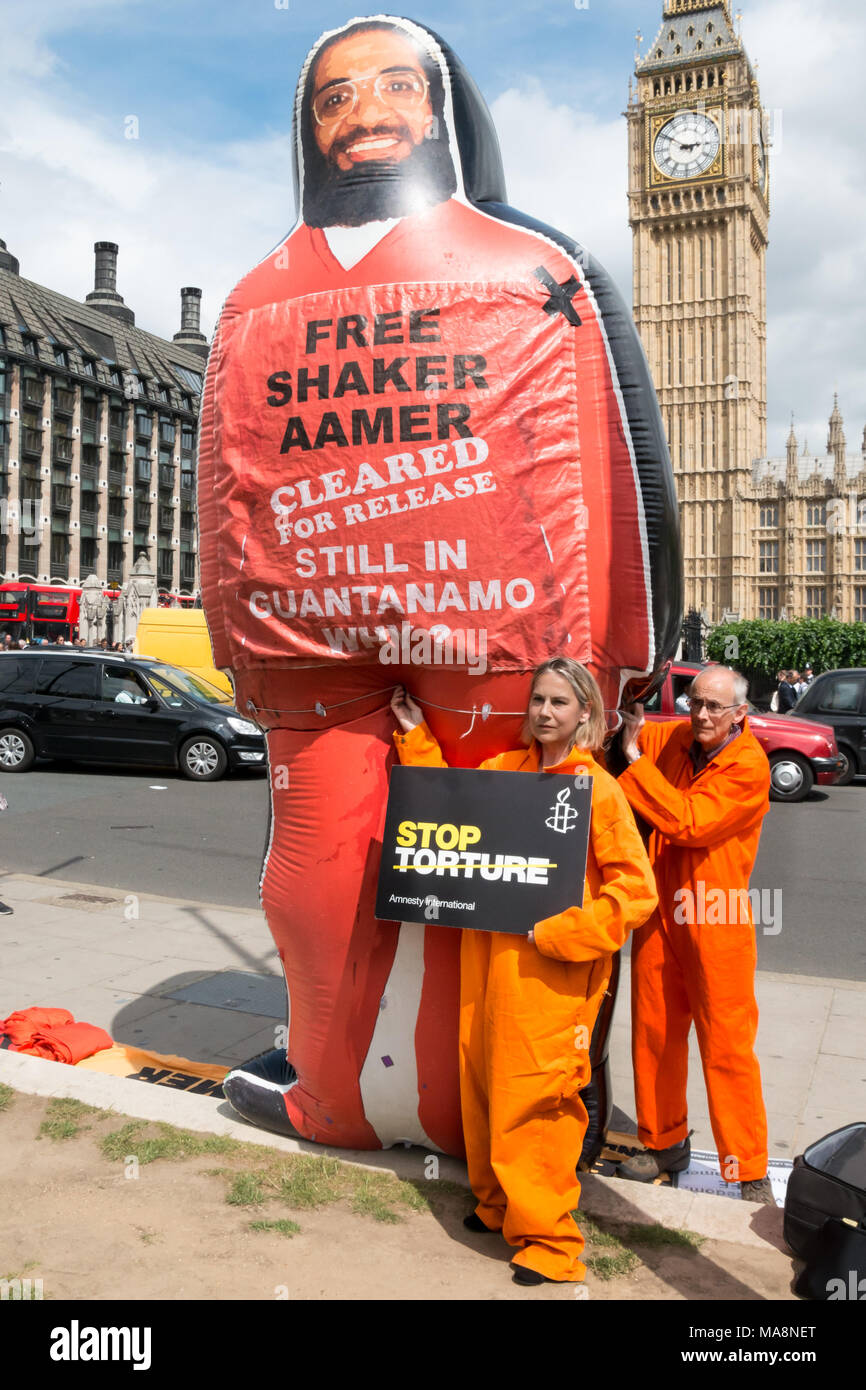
<point x="373" y="190"/>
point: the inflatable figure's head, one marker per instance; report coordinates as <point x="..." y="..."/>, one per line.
<point x="382" y="111"/>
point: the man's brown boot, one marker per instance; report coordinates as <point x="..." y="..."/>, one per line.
<point x="759" y="1190"/>
<point x="649" y="1164"/>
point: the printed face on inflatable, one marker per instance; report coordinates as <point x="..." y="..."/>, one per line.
<point x="371" y="100"/>
<point x="430" y="455"/>
<point x="372" y="112"/>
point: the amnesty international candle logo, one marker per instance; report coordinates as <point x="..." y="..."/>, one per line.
<point x="564" y="816"/>
<point x="489" y="850"/>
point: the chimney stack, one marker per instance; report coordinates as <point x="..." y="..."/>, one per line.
<point x="104" y="296"/>
<point x="190" y="336"/>
<point x="7" y="260"/>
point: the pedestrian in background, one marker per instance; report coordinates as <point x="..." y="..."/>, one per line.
<point x="787" y="693"/>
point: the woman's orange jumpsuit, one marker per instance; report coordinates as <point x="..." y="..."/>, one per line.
<point x="526" y="1016"/>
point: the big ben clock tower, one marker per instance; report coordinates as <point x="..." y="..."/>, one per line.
<point x="698" y="209"/>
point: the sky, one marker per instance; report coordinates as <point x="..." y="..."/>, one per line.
<point x="203" y="190"/>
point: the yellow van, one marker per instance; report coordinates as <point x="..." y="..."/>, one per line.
<point x="180" y="637"/>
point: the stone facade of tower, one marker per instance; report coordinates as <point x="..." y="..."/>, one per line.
<point x="699" y="209"/>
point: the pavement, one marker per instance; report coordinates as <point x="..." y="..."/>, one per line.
<point x="202" y="981"/>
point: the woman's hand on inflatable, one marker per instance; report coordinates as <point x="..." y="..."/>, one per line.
<point x="405" y="710"/>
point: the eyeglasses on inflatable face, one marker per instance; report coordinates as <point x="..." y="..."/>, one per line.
<point x="405" y="90"/>
<point x="713" y="707"/>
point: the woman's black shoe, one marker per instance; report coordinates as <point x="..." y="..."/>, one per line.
<point x="522" y="1275"/>
<point x="474" y="1223"/>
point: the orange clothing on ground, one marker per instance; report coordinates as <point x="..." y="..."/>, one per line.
<point x="695" y="960"/>
<point x="526" y="1016"/>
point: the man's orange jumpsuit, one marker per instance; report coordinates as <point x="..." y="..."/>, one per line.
<point x="526" y="1018"/>
<point x="696" y="958"/>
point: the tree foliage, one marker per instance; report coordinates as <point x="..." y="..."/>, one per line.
<point x="763" y="648"/>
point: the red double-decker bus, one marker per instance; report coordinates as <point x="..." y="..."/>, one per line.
<point x="29" y="611"/>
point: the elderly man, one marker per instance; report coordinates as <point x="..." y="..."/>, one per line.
<point x="703" y="787"/>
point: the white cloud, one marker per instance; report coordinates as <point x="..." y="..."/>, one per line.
<point x="71" y="178"/>
<point x="810" y="71"/>
<point x="567" y="168"/>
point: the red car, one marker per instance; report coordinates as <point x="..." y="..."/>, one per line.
<point x="801" y="752"/>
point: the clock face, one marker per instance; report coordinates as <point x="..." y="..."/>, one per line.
<point x="686" y="145"/>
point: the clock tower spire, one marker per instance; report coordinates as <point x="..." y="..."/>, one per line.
<point x="698" y="209"/>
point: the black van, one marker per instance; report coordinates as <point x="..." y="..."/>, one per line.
<point x="99" y="707"/>
<point x="839" y="698"/>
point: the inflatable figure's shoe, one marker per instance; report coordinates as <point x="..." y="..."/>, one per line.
<point x="257" y="1091"/>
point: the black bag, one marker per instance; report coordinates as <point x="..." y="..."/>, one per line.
<point x="827" y="1180"/>
<point x="835" y="1263"/>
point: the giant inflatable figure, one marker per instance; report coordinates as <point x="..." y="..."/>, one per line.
<point x="431" y="455"/>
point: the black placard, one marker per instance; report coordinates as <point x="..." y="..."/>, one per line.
<point x="496" y="851"/>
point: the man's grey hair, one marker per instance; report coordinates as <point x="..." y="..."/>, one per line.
<point x="741" y="685"/>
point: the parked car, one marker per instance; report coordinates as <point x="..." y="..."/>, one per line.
<point x="102" y="707"/>
<point x="838" y="698"/>
<point x="801" y="752"/>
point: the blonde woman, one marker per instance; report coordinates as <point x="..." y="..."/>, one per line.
<point x="528" y="1004"/>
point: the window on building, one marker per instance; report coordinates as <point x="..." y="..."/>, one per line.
<point x="88" y="556"/>
<point x="768" y="603"/>
<point x="768" y="557"/>
<point x="816" y="557"/>
<point x="115" y="555"/>
<point x="89" y="366"/>
<point x="860" y="555"/>
<point x="816" y="514"/>
<point x="770" y="515"/>
<point x="816" y="602"/>
<point x="860" y="603"/>
<point x="679" y="267"/>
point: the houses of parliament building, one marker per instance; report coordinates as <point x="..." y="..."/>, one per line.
<point x="762" y="537"/>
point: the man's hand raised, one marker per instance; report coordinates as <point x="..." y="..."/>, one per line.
<point x="405" y="710"/>
<point x="632" y="723"/>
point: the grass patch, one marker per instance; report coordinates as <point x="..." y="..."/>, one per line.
<point x="612" y="1266"/>
<point x="131" y="1139"/>
<point x="659" y="1237"/>
<point x="302" y="1182"/>
<point x="306" y="1182"/>
<point x="6" y="1094"/>
<point x="284" y="1228"/>
<point x="64" y="1118"/>
<point x="617" y="1257"/>
<point x="246" y="1190"/>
